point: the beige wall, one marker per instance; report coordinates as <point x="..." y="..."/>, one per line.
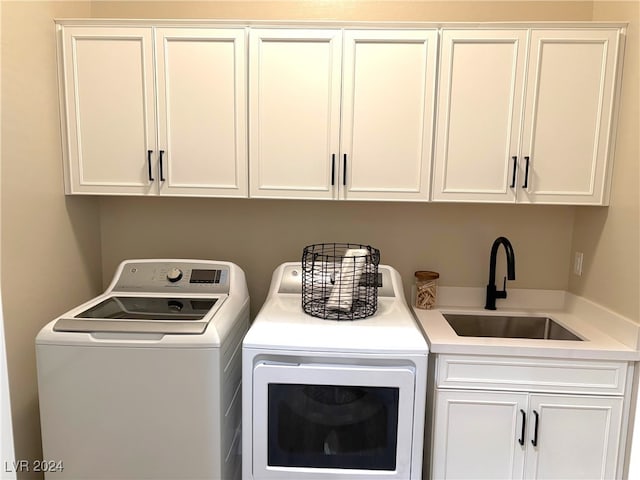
<point x="47" y="238"/>
<point x="610" y="237"/>
<point x="50" y="244"/>
<point x="260" y="234"/>
<point x="396" y="10"/>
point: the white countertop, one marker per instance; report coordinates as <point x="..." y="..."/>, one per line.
<point x="606" y="335"/>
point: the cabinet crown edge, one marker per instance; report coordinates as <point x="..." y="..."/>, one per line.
<point x="302" y="23"/>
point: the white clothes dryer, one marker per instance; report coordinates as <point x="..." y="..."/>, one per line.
<point x="143" y="381"/>
<point x="327" y="399"/>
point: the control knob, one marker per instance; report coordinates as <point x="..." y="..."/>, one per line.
<point x="174" y="275"/>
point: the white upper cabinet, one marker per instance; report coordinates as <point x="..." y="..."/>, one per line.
<point x="202" y="111"/>
<point x="294" y="111"/>
<point x="388" y="94"/>
<point x="479" y="114"/>
<point x="326" y="111"/>
<point x="341" y="115"/>
<point x="568" y="119"/>
<point x="526" y="115"/>
<point x="108" y="81"/>
<point x="155" y="111"/>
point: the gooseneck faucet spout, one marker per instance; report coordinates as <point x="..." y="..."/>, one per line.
<point x="492" y="292"/>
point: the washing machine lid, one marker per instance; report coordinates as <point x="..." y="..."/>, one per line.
<point x="140" y="314"/>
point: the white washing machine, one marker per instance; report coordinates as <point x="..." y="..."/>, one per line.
<point x="144" y="381"/>
<point x="326" y="399"/>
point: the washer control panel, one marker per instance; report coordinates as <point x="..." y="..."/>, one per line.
<point x="174" y="275"/>
<point x="183" y="277"/>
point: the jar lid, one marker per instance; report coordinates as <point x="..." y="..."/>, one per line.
<point x="426" y="275"/>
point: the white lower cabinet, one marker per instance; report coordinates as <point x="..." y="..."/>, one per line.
<point x="501" y="434"/>
<point x="494" y="435"/>
<point x="577" y="436"/>
<point x="476" y="435"/>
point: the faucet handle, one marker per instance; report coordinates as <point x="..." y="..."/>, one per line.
<point x="502" y="293"/>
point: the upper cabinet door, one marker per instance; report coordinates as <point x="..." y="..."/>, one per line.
<point x="479" y="115"/>
<point x="294" y="111"/>
<point x="387" y="114"/>
<point x="107" y="81"/>
<point x="202" y="118"/>
<point x="569" y="114"/>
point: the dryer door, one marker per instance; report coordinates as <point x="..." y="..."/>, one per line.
<point x="314" y="421"/>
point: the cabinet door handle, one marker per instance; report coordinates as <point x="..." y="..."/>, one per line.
<point x="333" y="169"/>
<point x="534" y="442"/>
<point x="162" y="179"/>
<point x="344" y="171"/>
<point x="524" y="423"/>
<point x="526" y="172"/>
<point x="513" y="178"/>
<point x="149" y="152"/>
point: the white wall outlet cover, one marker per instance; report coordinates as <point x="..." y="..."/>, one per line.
<point x="577" y="263"/>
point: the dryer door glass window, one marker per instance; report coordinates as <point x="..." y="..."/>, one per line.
<point x="311" y="420"/>
<point x="332" y="426"/>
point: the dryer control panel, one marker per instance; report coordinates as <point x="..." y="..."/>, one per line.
<point x="291" y="281"/>
<point x="169" y="276"/>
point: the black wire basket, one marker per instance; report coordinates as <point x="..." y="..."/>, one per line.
<point x="340" y="280"/>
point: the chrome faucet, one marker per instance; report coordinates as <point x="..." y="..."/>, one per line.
<point x="492" y="292"/>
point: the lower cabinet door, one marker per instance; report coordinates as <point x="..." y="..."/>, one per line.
<point x="479" y="435"/>
<point x="578" y="437"/>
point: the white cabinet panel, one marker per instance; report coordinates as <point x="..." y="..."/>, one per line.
<point x="595" y="377"/>
<point x="479" y="114"/>
<point x="526" y="121"/>
<point x="496" y="424"/>
<point x="506" y="435"/>
<point x="109" y="91"/>
<point x="568" y="114"/>
<point x="378" y="149"/>
<point x="294" y="110"/>
<point x="188" y="137"/>
<point x="477" y="435"/>
<point x="202" y="102"/>
<point x="577" y="437"/>
<point x="388" y="105"/>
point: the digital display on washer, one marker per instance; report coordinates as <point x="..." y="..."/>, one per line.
<point x="205" y="276"/>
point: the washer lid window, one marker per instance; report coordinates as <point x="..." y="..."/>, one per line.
<point x="168" y="315"/>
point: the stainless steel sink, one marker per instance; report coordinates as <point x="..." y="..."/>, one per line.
<point x="502" y="326"/>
